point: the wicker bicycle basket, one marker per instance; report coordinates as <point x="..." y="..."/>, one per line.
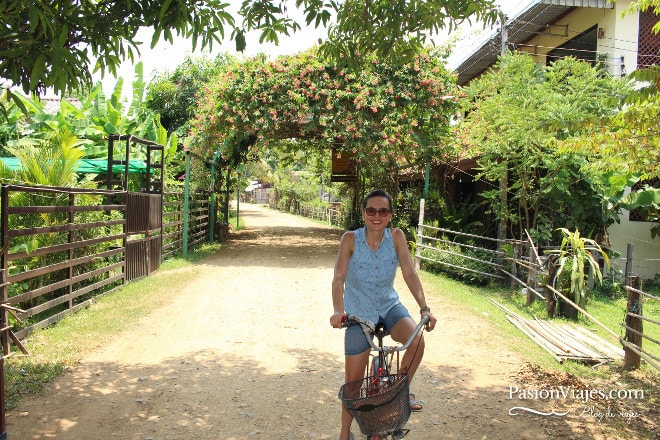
<point x="377" y="411"/>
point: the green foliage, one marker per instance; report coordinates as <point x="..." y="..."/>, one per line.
<point x="519" y="113"/>
<point x="576" y="254"/>
<point x="458" y="262"/>
<point x="87" y="122"/>
<point x="46" y="162"/>
<point x="297" y="177"/>
<point x="395" y="31"/>
<point x="48" y="44"/>
<point x="174" y="95"/>
<point x="383" y="114"/>
<point x="627" y="141"/>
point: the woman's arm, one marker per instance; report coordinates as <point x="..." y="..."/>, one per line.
<point x="410" y="274"/>
<point x="346" y="247"/>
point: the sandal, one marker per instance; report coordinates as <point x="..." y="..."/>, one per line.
<point x="415" y="405"/>
<point x="350" y="437"/>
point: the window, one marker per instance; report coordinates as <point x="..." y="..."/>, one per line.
<point x="582" y="47"/>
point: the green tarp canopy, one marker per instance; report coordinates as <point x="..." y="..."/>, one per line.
<point x="88" y="166"/>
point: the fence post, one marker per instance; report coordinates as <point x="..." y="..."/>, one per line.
<point x="4" y="336"/>
<point x="70" y="256"/>
<point x="186" y="205"/>
<point x="629" y="261"/>
<point x="634" y="325"/>
<point x="517" y="253"/>
<point x="531" y="274"/>
<point x="420" y="233"/>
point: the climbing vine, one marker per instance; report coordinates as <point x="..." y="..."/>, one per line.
<point x="385" y="115"/>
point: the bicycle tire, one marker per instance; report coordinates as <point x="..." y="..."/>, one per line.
<point x="372" y="374"/>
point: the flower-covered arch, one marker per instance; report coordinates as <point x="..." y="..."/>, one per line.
<point x="383" y="115"/>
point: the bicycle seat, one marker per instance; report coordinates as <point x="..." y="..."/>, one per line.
<point x="381" y="331"/>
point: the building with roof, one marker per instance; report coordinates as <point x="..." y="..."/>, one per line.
<point x="597" y="31"/>
<point x="592" y="30"/>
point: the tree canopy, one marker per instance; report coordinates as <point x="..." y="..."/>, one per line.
<point x="383" y="113"/>
<point x="174" y="95"/>
<point x="48" y="44"/>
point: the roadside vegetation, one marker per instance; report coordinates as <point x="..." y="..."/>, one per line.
<point x="54" y="349"/>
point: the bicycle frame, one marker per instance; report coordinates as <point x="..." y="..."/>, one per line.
<point x="370" y="329"/>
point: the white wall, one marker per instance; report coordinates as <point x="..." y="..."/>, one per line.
<point x="646" y="251"/>
<point x="618" y="42"/>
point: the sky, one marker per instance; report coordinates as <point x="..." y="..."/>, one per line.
<point x="165" y="56"/>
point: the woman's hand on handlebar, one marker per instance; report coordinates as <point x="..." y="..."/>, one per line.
<point x="432" y="320"/>
<point x="337" y="319"/>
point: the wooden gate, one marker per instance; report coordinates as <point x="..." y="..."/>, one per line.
<point x="144" y="239"/>
<point x="144" y="222"/>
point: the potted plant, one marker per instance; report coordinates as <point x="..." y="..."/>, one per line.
<point x="575" y="257"/>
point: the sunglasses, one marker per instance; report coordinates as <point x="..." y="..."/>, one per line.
<point x="382" y="212"/>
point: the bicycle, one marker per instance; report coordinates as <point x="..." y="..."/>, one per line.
<point x="380" y="401"/>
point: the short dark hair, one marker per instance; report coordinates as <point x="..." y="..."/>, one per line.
<point x="377" y="193"/>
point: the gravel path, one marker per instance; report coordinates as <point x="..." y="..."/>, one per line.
<point x="245" y="351"/>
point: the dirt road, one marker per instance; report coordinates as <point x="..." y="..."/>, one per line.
<point x="245" y="351"/>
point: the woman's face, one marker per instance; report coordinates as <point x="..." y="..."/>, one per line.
<point x="377" y="213"/>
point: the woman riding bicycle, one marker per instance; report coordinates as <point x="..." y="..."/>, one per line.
<point x="363" y="285"/>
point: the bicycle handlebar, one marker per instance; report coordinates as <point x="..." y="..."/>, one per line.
<point x="369" y="329"/>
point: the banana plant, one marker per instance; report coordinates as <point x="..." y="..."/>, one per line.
<point x="95" y="118"/>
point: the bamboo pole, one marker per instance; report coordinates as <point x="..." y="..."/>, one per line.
<point x="533" y="337"/>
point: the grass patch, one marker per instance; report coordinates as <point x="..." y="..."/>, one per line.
<point x="610" y="312"/>
<point x="63" y="344"/>
<point x="476" y="301"/>
<point x="236" y="223"/>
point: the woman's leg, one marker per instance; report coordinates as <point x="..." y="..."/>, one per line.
<point x="355" y="367"/>
<point x="413" y="356"/>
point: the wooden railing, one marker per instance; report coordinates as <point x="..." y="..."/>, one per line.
<point x="174" y="216"/>
<point x="60" y="247"/>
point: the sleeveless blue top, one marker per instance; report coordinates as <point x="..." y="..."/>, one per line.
<point x="369" y="286"/>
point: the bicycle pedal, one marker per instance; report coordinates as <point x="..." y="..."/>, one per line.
<point x="399" y="434"/>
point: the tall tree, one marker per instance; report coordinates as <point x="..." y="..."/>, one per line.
<point x="174" y="95"/>
<point x="48" y="43"/>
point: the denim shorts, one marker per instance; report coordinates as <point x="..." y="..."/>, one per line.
<point x="355" y="341"/>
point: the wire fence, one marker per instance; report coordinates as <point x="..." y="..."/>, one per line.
<point x="482" y="260"/>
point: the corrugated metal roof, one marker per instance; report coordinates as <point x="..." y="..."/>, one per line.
<point x="521" y="26"/>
